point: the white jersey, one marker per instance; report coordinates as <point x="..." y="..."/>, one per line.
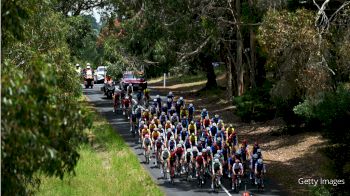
<point x="237" y="166"/>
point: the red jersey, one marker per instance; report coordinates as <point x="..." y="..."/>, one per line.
<point x="200" y="160"/>
<point x="179" y="151"/>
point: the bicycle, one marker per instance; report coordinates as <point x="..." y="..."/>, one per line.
<point x="200" y="177"/>
<point x="216" y="183"/>
<point x="260" y="183"/>
<point x="236" y="182"/>
<point x="147" y="155"/>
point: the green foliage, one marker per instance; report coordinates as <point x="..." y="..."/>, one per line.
<point x="255" y="104"/>
<point x="319" y="191"/>
<point x="42" y="121"/>
<point x="41" y="127"/>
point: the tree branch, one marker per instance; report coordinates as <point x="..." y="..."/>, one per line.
<point x="186" y="55"/>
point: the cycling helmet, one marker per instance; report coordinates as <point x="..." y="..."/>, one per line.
<point x="169" y="129"/>
<point x="191" y="105"/>
<point x="255" y="156"/>
<point x="174" y="114"/>
<point x="146" y="136"/>
<point x="156" y="129"/>
<point x="231" y="125"/>
<point x="145" y="126"/>
<point x="163" y="113"/>
<point x="77" y="65"/>
<point x="159" y="139"/>
<point x="216" y="156"/>
<point x="155" y="100"/>
<point x="216" y="160"/>
<point x="168" y="121"/>
<point x="142" y="122"/>
<point x="218" y="139"/>
<point x="258" y="150"/>
<point x="189" y="150"/>
<point x="207" y="117"/>
<point x="220" y="121"/>
<point x="216" y="115"/>
<point x="208" y="148"/>
<point x="200" y="154"/>
<point x="155" y="117"/>
<point x="179" y="145"/>
<point x="181" y="98"/>
<point x="157" y="96"/>
<point x="192" y="122"/>
<point x="160" y="126"/>
<point x="172" y="138"/>
<point x="204" y="150"/>
<point x="260" y="161"/>
<point x="130" y="84"/>
<point x="237" y="161"/>
<point x="192" y="134"/>
<point x="146" y="110"/>
<point x="204" y="110"/>
<point x="239" y="152"/>
<point x="202" y="139"/>
<point x="214" y="124"/>
<point x="181" y="142"/>
<point x="164" y="105"/>
<point x="194" y="148"/>
<point x="126" y="97"/>
<point x="208" y="129"/>
<point x="170" y="93"/>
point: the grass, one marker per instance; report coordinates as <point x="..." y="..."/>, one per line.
<point x="108" y="167"/>
<point x="187" y="78"/>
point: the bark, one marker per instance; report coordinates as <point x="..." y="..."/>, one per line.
<point x="252" y="58"/>
<point x="209" y="69"/>
<point x="239" y="60"/>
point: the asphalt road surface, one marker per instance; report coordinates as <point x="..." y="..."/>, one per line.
<point x="180" y="187"/>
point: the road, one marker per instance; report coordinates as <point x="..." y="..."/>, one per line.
<point x="180" y="187"/>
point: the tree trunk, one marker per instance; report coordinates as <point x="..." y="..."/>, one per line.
<point x="209" y="69"/>
<point x="252" y="58"/>
<point x="239" y="60"/>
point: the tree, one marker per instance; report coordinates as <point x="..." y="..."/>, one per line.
<point x="42" y="121"/>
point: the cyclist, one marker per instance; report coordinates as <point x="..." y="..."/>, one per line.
<point x="216" y="172"/>
<point x="171" y="163"/>
<point x="183" y="112"/>
<point x="156" y="120"/>
<point x="129" y="89"/>
<point x="191" y="111"/>
<point x="139" y="96"/>
<point x="192" y="128"/>
<point x="253" y="162"/>
<point x="133" y="122"/>
<point x="255" y="147"/>
<point x="164" y="157"/>
<point x="179" y="153"/>
<point x="170" y="96"/>
<point x="158" y="149"/>
<point x="237" y="170"/>
<point x="260" y="170"/>
<point x="164" y="109"/>
<point x="204" y="114"/>
<point x="178" y="107"/>
<point x="171" y="111"/>
<point x="146" y="115"/>
<point x="258" y="152"/>
<point x="206" y="122"/>
<point x="221" y="125"/>
<point x="116" y="99"/>
<point x="183" y="134"/>
<point x="152" y="126"/>
<point x="167" y="124"/>
<point x="155" y="136"/>
<point x="169" y="134"/>
<point x="174" y="119"/>
<point x="182" y="101"/>
<point x="215" y="119"/>
<point x="147" y="144"/>
<point x="159" y="101"/>
<point x="126" y="105"/>
<point x="145" y="131"/>
<point x="200" y="163"/>
<point x="193" y="139"/>
<point x="147" y="97"/>
<point x="187" y="143"/>
<point x="171" y="144"/>
<point x="184" y="122"/>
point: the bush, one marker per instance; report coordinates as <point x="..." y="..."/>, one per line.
<point x="255" y="104"/>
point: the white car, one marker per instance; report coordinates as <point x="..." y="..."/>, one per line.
<point x="100" y="74"/>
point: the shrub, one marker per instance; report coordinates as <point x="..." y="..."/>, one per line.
<point x="255" y="104"/>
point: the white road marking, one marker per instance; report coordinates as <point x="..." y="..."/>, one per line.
<point x="226" y="191"/>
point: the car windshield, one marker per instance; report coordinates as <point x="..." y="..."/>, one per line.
<point x="133" y="76"/>
<point x="101" y="69"/>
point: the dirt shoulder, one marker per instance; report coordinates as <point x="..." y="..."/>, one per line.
<point x="287" y="157"/>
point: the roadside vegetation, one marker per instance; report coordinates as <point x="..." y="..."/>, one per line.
<point x="107" y="167"/>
